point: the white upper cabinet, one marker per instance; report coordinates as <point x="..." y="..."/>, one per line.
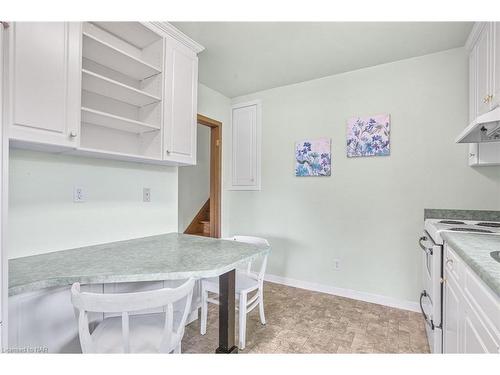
<point x="483" y="78"/>
<point x="495" y="36"/>
<point x="180" y="110"/>
<point x="245" y="145"/>
<point x="44" y="81"/>
<point x="118" y="90"/>
<point x="484" y="95"/>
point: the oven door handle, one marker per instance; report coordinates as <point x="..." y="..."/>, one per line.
<point x="430" y="323"/>
<point x="427" y="250"/>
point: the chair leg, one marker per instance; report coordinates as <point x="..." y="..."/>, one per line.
<point x="242" y="320"/>
<point x="261" y="306"/>
<point x="204" y="311"/>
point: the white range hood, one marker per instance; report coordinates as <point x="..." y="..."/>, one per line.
<point x="485" y="128"/>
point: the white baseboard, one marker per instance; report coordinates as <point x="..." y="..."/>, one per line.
<point x="348" y="293"/>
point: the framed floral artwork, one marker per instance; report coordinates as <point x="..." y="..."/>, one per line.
<point x="313" y="158"/>
<point x="368" y="136"/>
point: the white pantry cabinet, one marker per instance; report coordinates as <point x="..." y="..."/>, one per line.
<point x="181" y="95"/>
<point x="119" y="90"/>
<point x="471" y="311"/>
<point x="245" y="146"/>
<point x="44" y="81"/>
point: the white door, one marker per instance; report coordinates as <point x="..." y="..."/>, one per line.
<point x="451" y="319"/>
<point x="483" y="77"/>
<point x="45" y="79"/>
<point x="3" y="198"/>
<point x="245" y="146"/>
<point x="495" y="34"/>
<point x="181" y="91"/>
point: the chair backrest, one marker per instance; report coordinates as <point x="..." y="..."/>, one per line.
<point x="254" y="241"/>
<point x="131" y="302"/>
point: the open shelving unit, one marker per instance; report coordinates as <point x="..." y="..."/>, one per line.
<point x="122" y="89"/>
<point x="106" y="54"/>
<point x="99" y="84"/>
<point x="108" y="120"/>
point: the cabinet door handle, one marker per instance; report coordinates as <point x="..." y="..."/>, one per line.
<point x="168" y="152"/>
<point x="449" y="263"/>
<point x="72" y="134"/>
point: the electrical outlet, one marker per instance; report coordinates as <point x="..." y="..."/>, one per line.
<point x="336" y="264"/>
<point x="146" y="195"/>
<point x="78" y="194"/>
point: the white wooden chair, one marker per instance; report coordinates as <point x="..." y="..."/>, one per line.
<point x="139" y="333"/>
<point x="246" y="283"/>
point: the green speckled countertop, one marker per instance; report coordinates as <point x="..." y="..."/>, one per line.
<point x="161" y="257"/>
<point x="475" y="250"/>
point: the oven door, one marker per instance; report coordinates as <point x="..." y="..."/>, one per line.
<point x="430" y="297"/>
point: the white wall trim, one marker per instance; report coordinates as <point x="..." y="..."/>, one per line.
<point x="348" y="293"/>
<point x="175" y="33"/>
<point x="474" y="34"/>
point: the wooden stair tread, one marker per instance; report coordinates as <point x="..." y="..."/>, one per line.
<point x="202" y="234"/>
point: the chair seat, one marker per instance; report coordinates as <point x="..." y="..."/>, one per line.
<point x="244" y="283"/>
<point x="146" y="332"/>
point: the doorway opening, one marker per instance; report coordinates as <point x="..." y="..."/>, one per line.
<point x="207" y="222"/>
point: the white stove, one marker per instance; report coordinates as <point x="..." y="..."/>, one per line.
<point x="431" y="243"/>
<point x="434" y="226"/>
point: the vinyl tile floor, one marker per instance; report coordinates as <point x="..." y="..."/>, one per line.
<point x="302" y="321"/>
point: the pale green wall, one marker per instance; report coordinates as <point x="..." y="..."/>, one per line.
<point x="369" y="212"/>
<point x="43" y="217"/>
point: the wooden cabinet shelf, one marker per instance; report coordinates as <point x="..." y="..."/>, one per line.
<point x="108" y="120"/>
<point x="107" y="55"/>
<point x="101" y="85"/>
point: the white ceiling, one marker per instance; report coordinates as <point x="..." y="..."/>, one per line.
<point x="245" y="57"/>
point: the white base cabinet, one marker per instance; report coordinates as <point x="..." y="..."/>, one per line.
<point x="471" y="311"/>
<point x="45" y="321"/>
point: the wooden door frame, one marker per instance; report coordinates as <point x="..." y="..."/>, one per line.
<point x="215" y="172"/>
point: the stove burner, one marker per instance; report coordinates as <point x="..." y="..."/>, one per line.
<point x="471" y="230"/>
<point x="491" y="225"/>
<point x="452" y="222"/>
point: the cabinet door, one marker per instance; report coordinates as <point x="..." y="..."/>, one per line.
<point x="245" y="144"/>
<point x="181" y="90"/>
<point x="495" y="49"/>
<point x="475" y="336"/>
<point x="472" y="84"/>
<point x="451" y="319"/>
<point x="482" y="74"/>
<point x="45" y="82"/>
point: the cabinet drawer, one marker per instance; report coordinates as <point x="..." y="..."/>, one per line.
<point x="484" y="302"/>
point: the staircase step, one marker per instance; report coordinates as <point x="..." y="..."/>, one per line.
<point x="203" y="234"/>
